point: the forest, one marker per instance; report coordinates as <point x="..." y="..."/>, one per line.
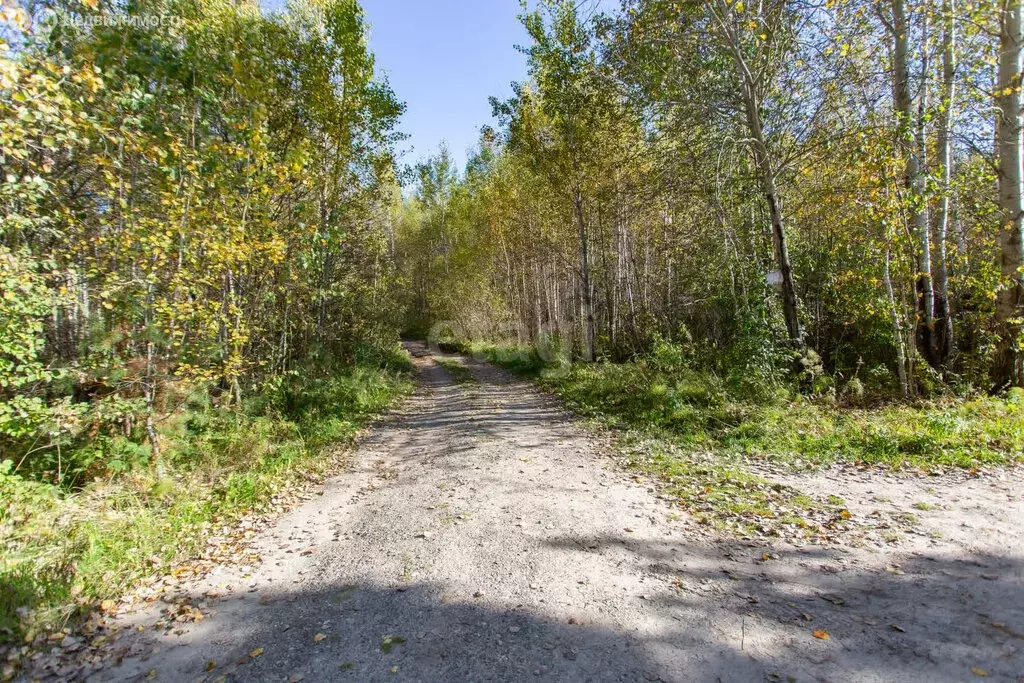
<point x="829" y="187"/>
<point x="783" y="227"/>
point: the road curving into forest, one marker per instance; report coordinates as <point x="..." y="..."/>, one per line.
<point x="481" y="534"/>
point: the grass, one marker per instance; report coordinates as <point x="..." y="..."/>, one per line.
<point x="457" y="369"/>
<point x="389" y="642"/>
<point x="685" y="427"/>
<point x="65" y="552"/>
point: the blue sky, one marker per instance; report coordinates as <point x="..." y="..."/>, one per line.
<point x="444" y="58"/>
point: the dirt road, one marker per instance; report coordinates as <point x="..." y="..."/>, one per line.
<point x="482" y="535"/>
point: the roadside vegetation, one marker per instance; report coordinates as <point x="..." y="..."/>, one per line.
<point x="811" y="195"/>
<point x="699" y="433"/>
<point x="65" y="551"/>
<point x="777" y="422"/>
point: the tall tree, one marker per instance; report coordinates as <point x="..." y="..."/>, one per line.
<point x="910" y="132"/>
<point x="944" y="155"/>
<point x="561" y="133"/>
<point x="755" y="79"/>
<point x="1008" y="366"/>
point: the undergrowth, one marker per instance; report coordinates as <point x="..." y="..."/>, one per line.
<point x="63" y="551"/>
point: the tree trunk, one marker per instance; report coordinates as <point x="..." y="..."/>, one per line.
<point x="149" y="383"/>
<point x="925" y="282"/>
<point x="586" y="294"/>
<point x="943" y="319"/>
<point x="771" y="195"/>
<point x="1008" y="365"/>
<point x="789" y="301"/>
<point x="897" y="329"/>
<point x="766" y="175"/>
<point x="911" y="140"/>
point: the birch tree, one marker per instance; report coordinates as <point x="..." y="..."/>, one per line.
<point x="944" y="157"/>
<point x="1008" y="366"/>
<point x="560" y="135"/>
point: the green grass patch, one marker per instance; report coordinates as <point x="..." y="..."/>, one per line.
<point x="62" y="552"/>
<point x="388" y="643"/>
<point x="722" y="494"/>
<point x="457" y="369"/>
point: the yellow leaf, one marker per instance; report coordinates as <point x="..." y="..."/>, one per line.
<point x="151" y="675"/>
<point x="821" y="635"/>
<point x="256" y="653"/>
<point x="318" y="637"/>
<point x="978" y="672"/>
<point x="211" y="665"/>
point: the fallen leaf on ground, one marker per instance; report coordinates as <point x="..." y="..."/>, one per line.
<point x="834" y="599"/>
<point x="978" y="672"/>
<point x="256" y="653"/>
<point x="318" y="637"/>
<point x="211" y="665"/>
<point x="1007" y="630"/>
<point x="821" y="635"/>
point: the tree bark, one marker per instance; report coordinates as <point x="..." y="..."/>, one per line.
<point x="943" y="319"/>
<point x="789" y="300"/>
<point x="766" y="175"/>
<point x="1008" y="364"/>
<point x="897" y="328"/>
<point x="587" y="295"/>
<point x="911" y="140"/>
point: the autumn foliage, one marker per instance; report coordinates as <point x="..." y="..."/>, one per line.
<point x="199" y="201"/>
